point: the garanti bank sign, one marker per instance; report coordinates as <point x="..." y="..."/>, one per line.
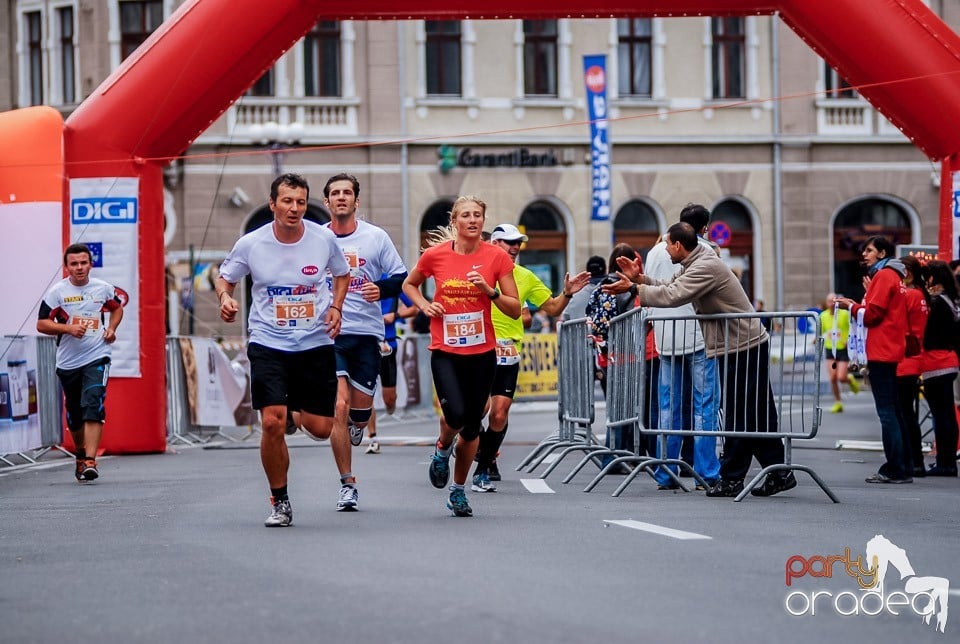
<point x="451" y="157"/>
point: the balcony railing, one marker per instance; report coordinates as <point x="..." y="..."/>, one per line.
<point x="844" y="116"/>
<point x="319" y="117"/>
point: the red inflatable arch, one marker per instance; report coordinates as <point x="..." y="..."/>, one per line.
<point x="206" y="55"/>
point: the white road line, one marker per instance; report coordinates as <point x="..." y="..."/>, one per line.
<point x="550" y="458"/>
<point x="657" y="529"/>
<point x="536" y="486"/>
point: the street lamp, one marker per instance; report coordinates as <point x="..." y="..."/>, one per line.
<point x="277" y="137"/>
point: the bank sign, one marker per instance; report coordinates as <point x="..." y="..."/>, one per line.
<point x="453" y="157"/>
<point x="595" y="78"/>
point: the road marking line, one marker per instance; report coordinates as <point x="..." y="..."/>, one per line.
<point x="549" y="458"/>
<point x="657" y="529"/>
<point x="536" y="486"/>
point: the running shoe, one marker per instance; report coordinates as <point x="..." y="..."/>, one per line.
<point x="439" y="471"/>
<point x="373" y="447"/>
<point x="854" y="383"/>
<point x="356" y="433"/>
<point x="493" y="472"/>
<point x="837" y="408"/>
<point x="89" y="472"/>
<point x="481" y="481"/>
<point x="458" y="503"/>
<point x="281" y="516"/>
<point x="725" y="488"/>
<point x="78" y="472"/>
<point x="347" y="502"/>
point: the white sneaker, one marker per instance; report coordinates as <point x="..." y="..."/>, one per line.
<point x="281" y="516"/>
<point x="348" y="499"/>
<point x="306" y="432"/>
<point x="373" y="447"/>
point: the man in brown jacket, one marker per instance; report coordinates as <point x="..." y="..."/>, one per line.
<point x="740" y="346"/>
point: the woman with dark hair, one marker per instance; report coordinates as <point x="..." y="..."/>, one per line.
<point x="883" y="314"/>
<point x="940" y="364"/>
<point x="910" y="368"/>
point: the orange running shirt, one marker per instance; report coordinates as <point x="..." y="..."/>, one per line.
<point x="466" y="327"/>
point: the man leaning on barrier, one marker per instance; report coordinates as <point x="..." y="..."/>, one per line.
<point x="742" y="356"/>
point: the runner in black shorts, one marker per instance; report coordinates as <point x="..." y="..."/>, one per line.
<point x="294" y="317"/>
<point x="74" y="310"/>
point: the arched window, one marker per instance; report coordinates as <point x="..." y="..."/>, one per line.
<point x="261" y="217"/>
<point x="853" y="225"/>
<point x="546" y="252"/>
<point x="636" y="224"/>
<point x="732" y="229"/>
<point x="436" y="216"/>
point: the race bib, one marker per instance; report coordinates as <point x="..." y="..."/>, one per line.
<point x="353" y="260"/>
<point x="295" y="311"/>
<point x="91" y="325"/>
<point x="507" y="352"/>
<point x="463" y="329"/>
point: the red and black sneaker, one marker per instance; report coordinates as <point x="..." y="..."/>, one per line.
<point x="89" y="472"/>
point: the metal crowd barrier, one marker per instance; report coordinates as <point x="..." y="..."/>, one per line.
<point x="794" y="377"/>
<point x="575" y="403"/>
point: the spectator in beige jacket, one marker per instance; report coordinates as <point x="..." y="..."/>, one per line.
<point x="741" y="347"/>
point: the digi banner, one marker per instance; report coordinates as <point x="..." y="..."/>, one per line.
<point x="595" y="77"/>
<point x="955" y="219"/>
<point x="103" y="214"/>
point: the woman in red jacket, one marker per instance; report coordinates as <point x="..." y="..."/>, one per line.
<point x="910" y="368"/>
<point x="883" y="316"/>
<point x="940" y="364"/>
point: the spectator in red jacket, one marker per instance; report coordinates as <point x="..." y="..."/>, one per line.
<point x="883" y="318"/>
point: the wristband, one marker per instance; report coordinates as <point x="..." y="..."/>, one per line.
<point x="569" y="296"/>
<point x="495" y="294"/>
<point x="339" y="310"/>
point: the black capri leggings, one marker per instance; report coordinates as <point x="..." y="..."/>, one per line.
<point x="463" y="385"/>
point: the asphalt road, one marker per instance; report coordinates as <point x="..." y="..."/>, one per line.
<point x="171" y="548"/>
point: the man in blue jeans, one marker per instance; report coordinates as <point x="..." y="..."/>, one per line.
<point x="689" y="393"/>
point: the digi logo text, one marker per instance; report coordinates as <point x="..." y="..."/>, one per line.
<point x="103" y="210"/>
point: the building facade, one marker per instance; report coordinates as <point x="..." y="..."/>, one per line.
<point x="734" y="113"/>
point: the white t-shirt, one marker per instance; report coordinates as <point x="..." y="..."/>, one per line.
<point x="370" y="254"/>
<point x="671" y="337"/>
<point x="290" y="295"/>
<point x="87" y="305"/>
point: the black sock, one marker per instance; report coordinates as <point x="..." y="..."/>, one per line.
<point x="490" y="442"/>
<point x="279" y="494"/>
<point x="81" y="454"/>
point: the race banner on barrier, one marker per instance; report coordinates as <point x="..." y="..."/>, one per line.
<point x="103" y="215"/>
<point x="19" y="411"/>
<point x="214" y="389"/>
<point x="538" y="368"/>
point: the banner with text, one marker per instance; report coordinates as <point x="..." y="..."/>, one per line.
<point x="595" y="77"/>
<point x="214" y="388"/>
<point x="538" y="367"/>
<point x="103" y="215"/>
<point x="19" y="411"/>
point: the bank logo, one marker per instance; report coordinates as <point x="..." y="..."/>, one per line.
<point x="103" y="210"/>
<point x="922" y="596"/>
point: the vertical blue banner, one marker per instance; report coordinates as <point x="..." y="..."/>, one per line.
<point x="595" y="77"/>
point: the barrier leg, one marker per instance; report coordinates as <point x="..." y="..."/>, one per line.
<point x="591" y="456"/>
<point x="785" y="468"/>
